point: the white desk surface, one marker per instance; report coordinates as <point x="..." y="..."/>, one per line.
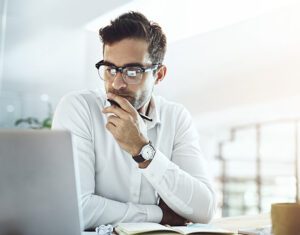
<point x="246" y="221"/>
<point x="234" y="223"/>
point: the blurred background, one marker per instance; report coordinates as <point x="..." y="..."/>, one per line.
<point x="235" y="64"/>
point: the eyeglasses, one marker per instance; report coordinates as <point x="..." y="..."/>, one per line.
<point x="131" y="74"/>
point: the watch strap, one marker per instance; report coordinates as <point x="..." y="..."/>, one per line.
<point x="139" y="158"/>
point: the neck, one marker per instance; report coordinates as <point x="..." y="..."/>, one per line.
<point x="145" y="109"/>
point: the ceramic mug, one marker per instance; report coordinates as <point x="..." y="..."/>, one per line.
<point x="285" y="218"/>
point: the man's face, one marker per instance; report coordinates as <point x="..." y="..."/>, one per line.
<point x="125" y="52"/>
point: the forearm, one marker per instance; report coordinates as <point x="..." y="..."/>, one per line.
<point x="188" y="196"/>
<point x="98" y="210"/>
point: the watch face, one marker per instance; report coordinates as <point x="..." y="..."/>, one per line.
<point x="148" y="152"/>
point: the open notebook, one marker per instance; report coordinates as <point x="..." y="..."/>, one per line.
<point x="153" y="228"/>
<point x="256" y="231"/>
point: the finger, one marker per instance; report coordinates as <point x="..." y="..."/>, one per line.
<point x="114" y="120"/>
<point x="124" y="103"/>
<point x="115" y="110"/>
<point x="111" y="128"/>
<point x="114" y="130"/>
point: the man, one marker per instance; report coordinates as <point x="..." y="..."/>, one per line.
<point x="139" y="158"/>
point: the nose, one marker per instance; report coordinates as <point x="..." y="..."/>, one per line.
<point x="118" y="82"/>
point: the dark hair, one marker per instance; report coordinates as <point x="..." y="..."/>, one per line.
<point x="136" y="25"/>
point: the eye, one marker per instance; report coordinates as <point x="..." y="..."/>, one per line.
<point x="111" y="71"/>
<point x="133" y="71"/>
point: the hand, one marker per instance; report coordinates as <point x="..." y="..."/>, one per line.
<point x="126" y="125"/>
<point x="170" y="217"/>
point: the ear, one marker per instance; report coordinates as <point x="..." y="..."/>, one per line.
<point x="160" y="74"/>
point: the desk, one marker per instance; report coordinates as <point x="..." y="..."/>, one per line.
<point x="234" y="223"/>
<point x="247" y="221"/>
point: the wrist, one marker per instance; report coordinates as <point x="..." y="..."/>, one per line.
<point x="145" y="155"/>
<point x="138" y="147"/>
<point x="144" y="164"/>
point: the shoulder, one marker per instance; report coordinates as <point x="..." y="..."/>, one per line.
<point x="75" y="108"/>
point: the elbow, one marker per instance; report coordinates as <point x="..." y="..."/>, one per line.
<point x="206" y="211"/>
<point x="86" y="218"/>
<point x="208" y="216"/>
<point x="87" y="224"/>
<point x="89" y="215"/>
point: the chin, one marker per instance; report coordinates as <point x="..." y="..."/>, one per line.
<point x="132" y="101"/>
<point x="135" y="104"/>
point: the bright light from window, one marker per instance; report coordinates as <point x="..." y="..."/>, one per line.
<point x="183" y="19"/>
<point x="10" y="108"/>
<point x="44" y="97"/>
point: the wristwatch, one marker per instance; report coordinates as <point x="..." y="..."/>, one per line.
<point x="147" y="153"/>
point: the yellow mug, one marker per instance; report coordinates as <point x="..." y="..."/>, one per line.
<point x="285" y="218"/>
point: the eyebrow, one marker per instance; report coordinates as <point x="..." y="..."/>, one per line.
<point x="125" y="65"/>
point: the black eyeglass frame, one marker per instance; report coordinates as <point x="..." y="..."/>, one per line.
<point x="120" y="69"/>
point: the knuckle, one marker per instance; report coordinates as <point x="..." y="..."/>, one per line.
<point x="111" y="118"/>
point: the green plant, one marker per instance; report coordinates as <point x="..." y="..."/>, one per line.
<point x="34" y="123"/>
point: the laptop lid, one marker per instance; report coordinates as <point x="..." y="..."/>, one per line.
<point x="38" y="193"/>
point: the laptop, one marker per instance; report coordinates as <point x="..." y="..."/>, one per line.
<point x="38" y="177"/>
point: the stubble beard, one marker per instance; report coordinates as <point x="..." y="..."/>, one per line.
<point x="136" y="101"/>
